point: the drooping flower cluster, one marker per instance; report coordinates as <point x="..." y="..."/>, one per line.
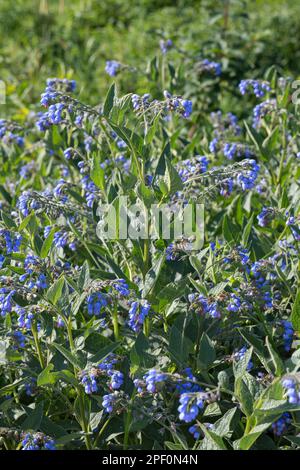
<point x="262" y="110"/>
<point x="258" y="87"/>
<point x="165" y="45"/>
<point x="280" y="426"/>
<point x="113" y="67"/>
<point x="292" y="390"/>
<point x="288" y="334"/>
<point x="192" y="167"/>
<point x="95" y="303"/>
<point x="190" y="406"/>
<point x="12" y="241"/>
<point x="138" y="312"/>
<point x="204" y="306"/>
<point x="37" y="441"/>
<point x="9" y="133"/>
<point x="209" y="66"/>
<point x="90" y="378"/>
<point x="265" y="216"/>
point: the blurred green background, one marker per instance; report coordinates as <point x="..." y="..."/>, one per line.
<point x="74" y="38"/>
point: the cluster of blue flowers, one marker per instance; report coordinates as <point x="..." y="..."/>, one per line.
<point x="37" y="441"/>
<point x="121" y="287"/>
<point x="27" y="170"/>
<point x="180" y="105"/>
<point x="247" y="179"/>
<point x="6" y="300"/>
<point x="190" y="406"/>
<point x="165" y="45"/>
<point x="204" y="305"/>
<point x="8" y="133"/>
<point x="183" y="386"/>
<point x="292" y="390"/>
<point x="261" y="110"/>
<point x="18" y="340"/>
<point x="141" y="103"/>
<point x="230" y="150"/>
<point x="89" y="379"/>
<point x="109" y="401"/>
<point x="113" y="67"/>
<point x="25" y="318"/>
<point x="288" y="334"/>
<point x="33" y="278"/>
<point x="152" y="378"/>
<point x="265" y="216"/>
<point x="192" y="167"/>
<point x="62" y="84"/>
<point x="280" y="426"/>
<point x="258" y="87"/>
<point x="90" y="190"/>
<point x="210" y="66"/>
<point x="96" y="302"/>
<point x="53" y="91"/>
<point x="225" y="124"/>
<point x="12" y="241"/>
<point x="294" y="227"/>
<point x="31" y="387"/>
<point x="196" y="431"/>
<point x="172" y="253"/>
<point x="138" y="311"/>
<point x="63" y="238"/>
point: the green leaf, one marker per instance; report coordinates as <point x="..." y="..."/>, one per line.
<point x="224" y="427"/>
<point x="217" y="289"/>
<point x="240" y="367"/>
<point x="140" y="354"/>
<point x="47" y="243"/>
<point x="84" y="276"/>
<point x="278" y="364"/>
<point x="109" y="100"/>
<point x="258" y="140"/>
<point x="74" y="360"/>
<point x="152" y="275"/>
<point x="207" y="353"/>
<point x="173" y="180"/>
<point x="295" y="315"/>
<point x="55" y="291"/>
<point x="34" y="417"/>
<point x="229" y="230"/>
<point x="97" y="173"/>
<point x="244" y="396"/>
<point x="216" y="442"/>
<point x="25" y="221"/>
<point x="247" y="441"/>
<point x="51" y="429"/>
<point x="179" y="345"/>
<point x="46" y="377"/>
<point x="10" y="223"/>
<point x="99" y="356"/>
<point x="247" y="231"/>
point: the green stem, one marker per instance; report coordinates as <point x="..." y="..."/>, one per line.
<point x="37" y="345"/>
<point x="101" y="432"/>
<point x="84" y="424"/>
<point x="147" y="326"/>
<point x="115" y="322"/>
<point x="126" y="431"/>
<point x="70" y="336"/>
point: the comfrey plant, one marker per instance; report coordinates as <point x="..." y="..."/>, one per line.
<point x="151" y="335"/>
